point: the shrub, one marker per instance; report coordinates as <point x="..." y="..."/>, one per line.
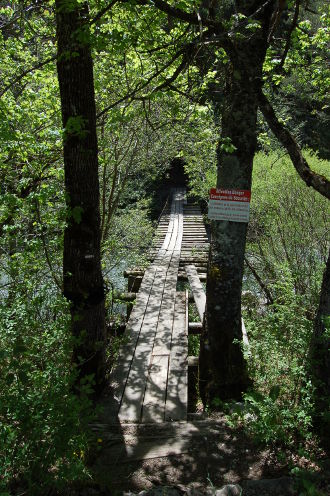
<point x="42" y="424"/>
<point x="280" y="406"/>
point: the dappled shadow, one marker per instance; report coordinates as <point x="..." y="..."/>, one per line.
<point x="137" y="453"/>
<point x="181" y="453"/>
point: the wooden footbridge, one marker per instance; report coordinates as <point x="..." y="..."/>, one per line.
<point x="150" y="380"/>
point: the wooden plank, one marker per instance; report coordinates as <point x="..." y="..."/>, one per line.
<point x="182" y="276"/>
<point x="156" y="440"/>
<point x="130" y="409"/>
<point x="201" y="271"/>
<point x="148" y="449"/>
<point x="162" y="342"/>
<point x="170" y="226"/>
<point x="112" y="432"/>
<point x="177" y="384"/>
<point x="193" y="361"/>
<point x="197" y="289"/>
<point x="195" y="327"/>
<point x="164" y="330"/>
<point x="120" y="372"/>
<point x="245" y="336"/>
<point x="154" y="317"/>
<point x="200" y="239"/>
<point x="153" y="409"/>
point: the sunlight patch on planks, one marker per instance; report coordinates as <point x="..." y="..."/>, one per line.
<point x="147" y="372"/>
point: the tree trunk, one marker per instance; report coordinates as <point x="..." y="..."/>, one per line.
<point x="223" y="371"/>
<point x="83" y="282"/>
<point x="321" y="356"/>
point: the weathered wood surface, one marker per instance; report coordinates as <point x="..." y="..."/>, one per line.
<point x="150" y="380"/>
<point x="195" y="327"/>
<point x="147" y="448"/>
<point x="197" y="290"/>
<point x="177" y="387"/>
<point x="200" y="302"/>
<point x="195" y="241"/>
<point x="245" y="336"/>
<point x="141" y="376"/>
<point x="182" y="276"/>
<point x="145" y="441"/>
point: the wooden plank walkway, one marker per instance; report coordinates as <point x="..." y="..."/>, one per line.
<point x="195" y="241"/>
<point x="145" y="415"/>
<point x="149" y="381"/>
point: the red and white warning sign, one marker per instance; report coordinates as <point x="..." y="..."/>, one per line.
<point x="229" y="204"/>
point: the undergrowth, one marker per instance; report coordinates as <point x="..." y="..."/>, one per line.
<point x="43" y="425"/>
<point x="278" y="410"/>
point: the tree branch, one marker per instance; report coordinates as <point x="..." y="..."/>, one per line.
<point x="185" y="94"/>
<point x="145" y="84"/>
<point x="292" y="27"/>
<point x="173" y="11"/>
<point x="260" y="281"/>
<point x="172" y="78"/>
<point x="47" y="254"/>
<point x="308" y="9"/>
<point x="101" y="13"/>
<point x="25" y="73"/>
<point x="311" y="178"/>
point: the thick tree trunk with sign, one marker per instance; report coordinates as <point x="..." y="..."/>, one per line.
<point x="83" y="282"/>
<point x="223" y="371"/>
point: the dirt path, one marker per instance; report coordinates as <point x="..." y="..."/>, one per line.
<point x="198" y="455"/>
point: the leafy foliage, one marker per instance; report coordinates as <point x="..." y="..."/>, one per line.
<point x="281" y="404"/>
<point x="287" y="250"/>
<point x="43" y="426"/>
<point x="288" y="226"/>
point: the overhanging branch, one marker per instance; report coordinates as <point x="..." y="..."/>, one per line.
<point x="262" y="285"/>
<point x="140" y="87"/>
<point x="311" y="178"/>
<point x="102" y="12"/>
<point x="173" y="11"/>
<point x="18" y="78"/>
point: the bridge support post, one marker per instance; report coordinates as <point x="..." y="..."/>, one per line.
<point x="133" y="286"/>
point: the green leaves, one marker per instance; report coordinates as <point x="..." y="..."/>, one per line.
<point x="76" y="126"/>
<point x="226" y="145"/>
<point x="38" y="411"/>
<point x="285" y="249"/>
<point x="76" y="214"/>
<point x="282" y="396"/>
<point x="274" y="392"/>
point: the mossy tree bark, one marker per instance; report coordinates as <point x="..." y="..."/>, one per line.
<point x="83" y="282"/>
<point x="223" y="371"/>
